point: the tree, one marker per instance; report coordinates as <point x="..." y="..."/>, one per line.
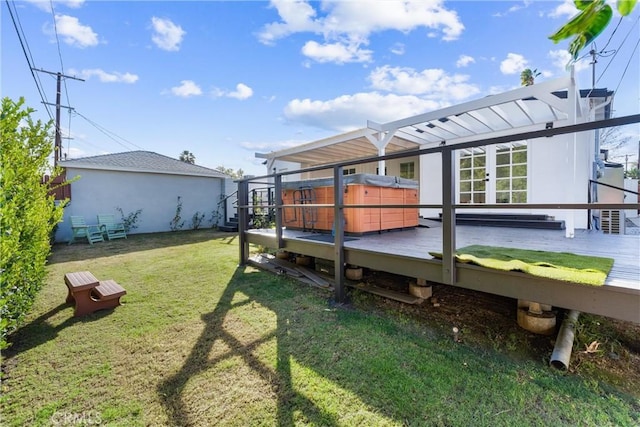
<point x="611" y="138"/>
<point x="187" y="157"/>
<point x="28" y="213"/>
<point x="528" y="76"/>
<point x="593" y="18"/>
<point x="228" y="171"/>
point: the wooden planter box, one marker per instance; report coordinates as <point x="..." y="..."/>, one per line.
<point x="360" y="189"/>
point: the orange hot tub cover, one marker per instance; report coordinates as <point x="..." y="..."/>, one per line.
<point x="359" y="189"/>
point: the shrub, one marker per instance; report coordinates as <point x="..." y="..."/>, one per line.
<point x="28" y="213"/>
<point x="177" y="223"/>
<point x="196" y="220"/>
<point x="129" y="221"/>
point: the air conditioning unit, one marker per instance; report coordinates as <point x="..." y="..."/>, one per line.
<point x="612" y="221"/>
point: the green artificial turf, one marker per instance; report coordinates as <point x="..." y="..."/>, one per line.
<point x="565" y="266"/>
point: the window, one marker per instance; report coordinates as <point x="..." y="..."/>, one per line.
<point x="511" y="173"/>
<point x="473" y="175"/>
<point x="378" y="170"/>
<point x="350" y="171"/>
<point x="407" y="170"/>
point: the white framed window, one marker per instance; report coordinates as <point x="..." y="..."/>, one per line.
<point x="407" y="170"/>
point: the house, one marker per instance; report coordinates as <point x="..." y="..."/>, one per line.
<point x="141" y="180"/>
<point x="550" y="170"/>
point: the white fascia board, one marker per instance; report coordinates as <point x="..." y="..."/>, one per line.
<point x="534" y="90"/>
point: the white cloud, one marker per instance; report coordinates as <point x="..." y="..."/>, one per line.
<point x="514" y="64"/>
<point x="242" y="92"/>
<point x="105" y="77"/>
<point x="430" y="83"/>
<point x="335" y="52"/>
<point x="73" y="4"/>
<point x="514" y="9"/>
<point x="166" y="34"/>
<point x="349" y="24"/>
<point x="464" y="61"/>
<point x="560" y="58"/>
<point x="349" y="112"/>
<point x="72" y="31"/>
<point x="398" y="49"/>
<point x="297" y="16"/>
<point x="186" y="89"/>
<point x="566" y="9"/>
<point x="45" y="5"/>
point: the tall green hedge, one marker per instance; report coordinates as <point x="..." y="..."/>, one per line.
<point x="27" y="212"/>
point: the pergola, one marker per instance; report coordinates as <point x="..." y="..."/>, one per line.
<point x="552" y="103"/>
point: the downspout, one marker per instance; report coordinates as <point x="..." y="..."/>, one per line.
<point x="564" y="342"/>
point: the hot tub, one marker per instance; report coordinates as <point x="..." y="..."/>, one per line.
<point x="359" y="189"/>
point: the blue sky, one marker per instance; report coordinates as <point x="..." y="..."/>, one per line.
<point x="227" y="79"/>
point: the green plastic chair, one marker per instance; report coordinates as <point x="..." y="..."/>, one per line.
<point x="110" y="227"/>
<point x="81" y="229"/>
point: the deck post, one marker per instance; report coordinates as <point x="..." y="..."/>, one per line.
<point x="338" y="227"/>
<point x="278" y="211"/>
<point x="243" y="220"/>
<point x="448" y="217"/>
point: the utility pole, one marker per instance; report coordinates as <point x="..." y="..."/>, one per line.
<point x="593" y="63"/>
<point x="57" y="148"/>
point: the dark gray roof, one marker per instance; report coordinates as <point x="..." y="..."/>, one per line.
<point x="141" y="161"/>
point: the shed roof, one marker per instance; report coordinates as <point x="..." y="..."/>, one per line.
<point x="141" y="161"/>
<point x="551" y="103"/>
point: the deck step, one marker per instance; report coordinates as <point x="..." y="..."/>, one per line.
<point x="533" y="221"/>
<point x="228" y="227"/>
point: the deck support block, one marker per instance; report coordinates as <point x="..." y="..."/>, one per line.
<point x="419" y="291"/>
<point x="536" y="317"/>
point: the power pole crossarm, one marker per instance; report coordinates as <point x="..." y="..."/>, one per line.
<point x="58" y="141"/>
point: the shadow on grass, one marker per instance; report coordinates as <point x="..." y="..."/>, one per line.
<point x="40" y="331"/>
<point x="80" y="251"/>
<point x="170" y="391"/>
<point x="403" y="376"/>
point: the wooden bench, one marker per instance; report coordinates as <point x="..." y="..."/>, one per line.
<point x="90" y="294"/>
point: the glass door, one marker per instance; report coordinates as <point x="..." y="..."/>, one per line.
<point x="473" y="175"/>
<point x="494" y="174"/>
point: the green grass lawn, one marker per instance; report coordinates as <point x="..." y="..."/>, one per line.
<point x="200" y="341"/>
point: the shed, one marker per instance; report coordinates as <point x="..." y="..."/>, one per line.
<point x="142" y="180"/>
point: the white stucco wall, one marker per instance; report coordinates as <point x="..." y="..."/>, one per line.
<point x="430" y="183"/>
<point x="101" y="192"/>
<point x="631" y="184"/>
<point x="551" y="173"/>
<point x="553" y="177"/>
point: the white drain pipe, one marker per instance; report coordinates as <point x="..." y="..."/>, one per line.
<point x="564" y="342"/>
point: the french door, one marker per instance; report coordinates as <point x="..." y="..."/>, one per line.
<point x="493" y="174"/>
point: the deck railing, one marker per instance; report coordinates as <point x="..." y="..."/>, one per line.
<point x="448" y="205"/>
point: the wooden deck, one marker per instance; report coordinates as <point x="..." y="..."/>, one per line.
<point x="406" y="253"/>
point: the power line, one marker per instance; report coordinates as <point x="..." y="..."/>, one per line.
<point x="57" y="150"/>
<point x="109" y="133"/>
<point x="627" y="66"/>
<point x="612" y="33"/>
<point x="55" y="30"/>
<point x="618" y="50"/>
<point x="24" y="45"/>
